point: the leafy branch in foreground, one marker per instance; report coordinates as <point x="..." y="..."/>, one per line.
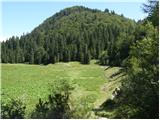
<point x="14" y="109"/>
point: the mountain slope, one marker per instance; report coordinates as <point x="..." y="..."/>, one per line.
<point x="73" y="34"/>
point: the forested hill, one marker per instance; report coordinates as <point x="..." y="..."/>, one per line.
<point x="74" y="34"/>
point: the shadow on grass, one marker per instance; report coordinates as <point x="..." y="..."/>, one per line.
<point x="118" y="77"/>
<point x="109" y="67"/>
<point x="105" y="109"/>
<point x="115" y="76"/>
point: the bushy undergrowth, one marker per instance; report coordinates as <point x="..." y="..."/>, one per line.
<point x="57" y="106"/>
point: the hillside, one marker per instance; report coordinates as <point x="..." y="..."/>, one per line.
<point x="73" y="34"/>
<point x="120" y="78"/>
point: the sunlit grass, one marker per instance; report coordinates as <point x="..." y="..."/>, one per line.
<point x="31" y="82"/>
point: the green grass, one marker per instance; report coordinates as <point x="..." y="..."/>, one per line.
<point x="31" y="82"/>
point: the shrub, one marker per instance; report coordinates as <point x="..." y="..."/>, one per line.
<point x="57" y="104"/>
<point x="14" y="109"/>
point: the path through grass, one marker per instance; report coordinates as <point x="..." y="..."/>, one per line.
<point x="31" y="82"/>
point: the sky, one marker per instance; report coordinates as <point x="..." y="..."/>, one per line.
<point x="19" y="17"/>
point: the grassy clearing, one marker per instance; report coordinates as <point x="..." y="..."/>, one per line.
<point x="31" y="82"/>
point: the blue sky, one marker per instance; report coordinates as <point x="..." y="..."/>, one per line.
<point x="22" y="17"/>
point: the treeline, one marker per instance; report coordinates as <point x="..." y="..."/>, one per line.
<point x="80" y="34"/>
<point x="139" y="96"/>
<point x="73" y="34"/>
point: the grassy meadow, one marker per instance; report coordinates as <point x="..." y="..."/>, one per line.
<point x="31" y="82"/>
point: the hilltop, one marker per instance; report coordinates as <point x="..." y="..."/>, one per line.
<point x="73" y="34"/>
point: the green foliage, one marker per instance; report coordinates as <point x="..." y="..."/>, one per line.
<point x="14" y="109"/>
<point x="57" y="105"/>
<point x="40" y="110"/>
<point x="104" y="58"/>
<point x="74" y="34"/>
<point x="152" y="8"/>
<point x="126" y="112"/>
<point x="39" y="54"/>
<point x="27" y="82"/>
<point x="85" y="57"/>
<point x="106" y="10"/>
<point x="118" y="51"/>
<point x="140" y="89"/>
<point x="81" y="34"/>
